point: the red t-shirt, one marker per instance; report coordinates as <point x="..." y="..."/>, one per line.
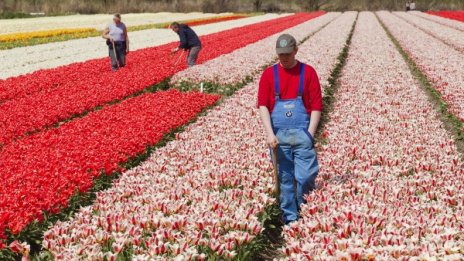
<point x="289" y="82"/>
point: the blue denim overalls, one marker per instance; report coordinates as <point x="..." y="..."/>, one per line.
<point x="296" y="157"/>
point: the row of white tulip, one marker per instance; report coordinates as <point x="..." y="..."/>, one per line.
<point x="391" y="179"/>
<point x="199" y="195"/>
<point x="328" y="42"/>
<point x="441" y="63"/>
<point x="246" y="61"/>
<point x="28" y="59"/>
<point x="445" y="33"/>
<point x="441" y="20"/>
<point x="97" y="21"/>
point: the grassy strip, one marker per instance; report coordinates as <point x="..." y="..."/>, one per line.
<point x="452" y="123"/>
<point x="331" y="90"/>
<point x="66" y="37"/>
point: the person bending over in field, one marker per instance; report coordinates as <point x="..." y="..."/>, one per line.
<point x="117" y="41"/>
<point x="290" y="105"/>
<point x="188" y="41"/>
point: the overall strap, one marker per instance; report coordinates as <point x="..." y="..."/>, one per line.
<point x="276" y="82"/>
<point x="301" y="86"/>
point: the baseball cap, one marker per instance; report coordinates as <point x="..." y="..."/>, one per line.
<point x="285" y="44"/>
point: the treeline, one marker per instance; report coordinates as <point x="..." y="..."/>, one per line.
<point x="126" y="6"/>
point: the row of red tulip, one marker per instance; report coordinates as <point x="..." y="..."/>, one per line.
<point x="42" y="171"/>
<point x="455" y="15"/>
<point x="46" y="97"/>
<point x="390" y="180"/>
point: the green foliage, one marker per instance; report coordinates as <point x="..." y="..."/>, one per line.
<point x="330" y="91"/>
<point x="13" y="15"/>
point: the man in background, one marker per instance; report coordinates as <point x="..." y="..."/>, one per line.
<point x="189" y="41"/>
<point x="117" y="41"/>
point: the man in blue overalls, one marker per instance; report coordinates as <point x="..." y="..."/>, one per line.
<point x="290" y="104"/>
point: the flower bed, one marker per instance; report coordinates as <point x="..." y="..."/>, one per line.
<point x="390" y="180"/>
<point x="21" y="37"/>
<point x="41" y="172"/>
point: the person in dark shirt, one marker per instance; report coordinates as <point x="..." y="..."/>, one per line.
<point x="188" y="41"/>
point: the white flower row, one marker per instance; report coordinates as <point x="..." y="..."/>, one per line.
<point x="236" y="66"/>
<point x="445" y="33"/>
<point x="28" y="59"/>
<point x="441" y="20"/>
<point x="391" y="178"/>
<point x="441" y="63"/>
<point x="329" y="42"/>
<point x="98" y="21"/>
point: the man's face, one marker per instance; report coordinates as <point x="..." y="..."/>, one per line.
<point x="287" y="60"/>
<point x="116" y="20"/>
<point x="175" y="28"/>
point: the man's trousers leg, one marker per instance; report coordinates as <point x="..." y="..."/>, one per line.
<point x="193" y="55"/>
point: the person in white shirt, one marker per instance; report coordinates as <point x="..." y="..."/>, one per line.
<point x="117" y="41"/>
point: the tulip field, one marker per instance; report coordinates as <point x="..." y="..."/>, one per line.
<point x="158" y="161"/>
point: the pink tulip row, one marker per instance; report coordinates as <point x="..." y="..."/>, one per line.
<point x="199" y="195"/>
<point x="328" y="47"/>
<point x="391" y="180"/>
<point x="246" y="61"/>
<point x="441" y="20"/>
<point x="441" y="63"/>
<point x="205" y="189"/>
<point x="451" y="36"/>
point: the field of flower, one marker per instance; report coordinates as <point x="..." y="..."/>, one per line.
<point x="158" y="161"/>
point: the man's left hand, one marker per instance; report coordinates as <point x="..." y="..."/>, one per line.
<point x="175" y="50"/>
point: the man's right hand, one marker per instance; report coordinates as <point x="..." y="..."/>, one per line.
<point x="272" y="141"/>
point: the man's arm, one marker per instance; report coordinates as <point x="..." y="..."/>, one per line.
<point x="106" y="33"/>
<point x="271" y="139"/>
<point x="183" y="39"/>
<point x="315" y="118"/>
<point x="127" y="39"/>
<point x="314" y="96"/>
